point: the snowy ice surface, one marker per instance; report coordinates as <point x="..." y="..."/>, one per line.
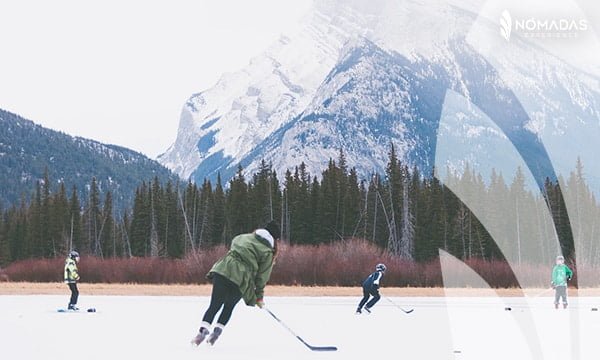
<point x="148" y="327"/>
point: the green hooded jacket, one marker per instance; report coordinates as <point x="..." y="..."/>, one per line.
<point x="560" y="274"/>
<point x="248" y="264"/>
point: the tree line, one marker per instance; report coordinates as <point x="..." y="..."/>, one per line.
<point x="408" y="214"/>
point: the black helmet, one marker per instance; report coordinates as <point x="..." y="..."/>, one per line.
<point x="273" y="228"/>
<point x="380" y="267"/>
<point x="73" y="254"/>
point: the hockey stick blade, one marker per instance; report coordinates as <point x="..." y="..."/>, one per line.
<point x="396" y="305"/>
<point x="317" y="348"/>
<point x="312" y="348"/>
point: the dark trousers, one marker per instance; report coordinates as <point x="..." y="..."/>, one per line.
<point x="368" y="293"/>
<point x="225" y="294"/>
<point x="561" y="292"/>
<point x="74" y="293"/>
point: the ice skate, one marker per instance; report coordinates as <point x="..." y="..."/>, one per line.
<point x="215" y="335"/>
<point x="202" y="334"/>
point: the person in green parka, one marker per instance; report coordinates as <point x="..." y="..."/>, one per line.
<point x="241" y="274"/>
<point x="560" y="275"/>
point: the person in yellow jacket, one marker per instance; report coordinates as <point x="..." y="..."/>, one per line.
<point x="71" y="277"/>
<point x="241" y="274"/>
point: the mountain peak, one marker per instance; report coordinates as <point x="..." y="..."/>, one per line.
<point x="360" y="74"/>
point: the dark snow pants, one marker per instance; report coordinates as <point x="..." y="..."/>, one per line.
<point x="225" y="294"/>
<point x="74" y="293"/>
<point x="368" y="292"/>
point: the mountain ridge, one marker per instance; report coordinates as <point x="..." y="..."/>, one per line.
<point x="531" y="95"/>
<point x="27" y="149"/>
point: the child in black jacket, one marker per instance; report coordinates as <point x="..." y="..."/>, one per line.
<point x="371" y="288"/>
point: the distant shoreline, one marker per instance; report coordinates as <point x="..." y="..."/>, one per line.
<point x="56" y="288"/>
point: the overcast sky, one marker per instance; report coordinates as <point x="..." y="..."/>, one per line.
<point x="119" y="71"/>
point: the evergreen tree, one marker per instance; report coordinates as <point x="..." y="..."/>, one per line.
<point x="108" y="238"/>
<point x="139" y="234"/>
<point x="261" y="196"/>
<point x="517" y="198"/>
<point x="237" y="206"/>
<point x="407" y="231"/>
<point x="314" y="214"/>
<point x="75" y="228"/>
<point x="46" y="242"/>
<point x="330" y="203"/>
<point x="352" y="205"/>
<point x="560" y="216"/>
<point x="497" y="194"/>
<point x="5" y="253"/>
<point x="205" y="214"/>
<point x="36" y="245"/>
<point x="275" y="197"/>
<point x="92" y="219"/>
<point x="579" y="202"/>
<point x="377" y="228"/>
<point x="18" y="232"/>
<point x="299" y="205"/>
<point x="125" y="231"/>
<point x="218" y="221"/>
<point x="287" y="201"/>
<point x="393" y="200"/>
<point x="157" y="241"/>
<point x="59" y="221"/>
<point x="430" y="220"/>
<point x="174" y="232"/>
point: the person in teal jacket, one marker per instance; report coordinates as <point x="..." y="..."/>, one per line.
<point x="241" y="274"/>
<point x="560" y="275"/>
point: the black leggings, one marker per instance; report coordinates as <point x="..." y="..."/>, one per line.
<point x="74" y="293"/>
<point x="225" y="294"/>
<point x="368" y="293"/>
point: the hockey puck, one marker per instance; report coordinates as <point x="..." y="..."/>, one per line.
<point x="91" y="310"/>
<point x="594" y="309"/>
<point x="507" y="309"/>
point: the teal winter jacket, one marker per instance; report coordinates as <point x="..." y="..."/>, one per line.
<point x="560" y="274"/>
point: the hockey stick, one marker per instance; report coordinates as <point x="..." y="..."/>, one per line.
<point x="405" y="311"/>
<point x="313" y="348"/>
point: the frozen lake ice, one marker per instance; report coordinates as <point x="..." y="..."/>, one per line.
<point x="160" y="327"/>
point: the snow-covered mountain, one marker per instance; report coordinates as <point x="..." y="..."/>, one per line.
<point x="360" y="75"/>
<point x="364" y="104"/>
<point x="28" y="151"/>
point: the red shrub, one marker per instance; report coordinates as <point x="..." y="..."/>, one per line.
<point x="3" y="276"/>
<point x="36" y="270"/>
<point x="344" y="263"/>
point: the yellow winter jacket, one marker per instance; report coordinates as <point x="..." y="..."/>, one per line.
<point x="71" y="272"/>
